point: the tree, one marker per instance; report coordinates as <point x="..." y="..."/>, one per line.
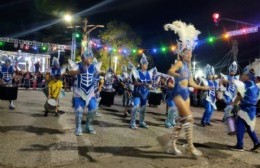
<point x="118" y="36"/>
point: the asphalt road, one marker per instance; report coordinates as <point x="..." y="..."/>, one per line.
<point x="28" y="139"/>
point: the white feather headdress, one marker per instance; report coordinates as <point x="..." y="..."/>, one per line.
<point x="186" y="32"/>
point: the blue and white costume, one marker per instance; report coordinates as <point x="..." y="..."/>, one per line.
<point x="6" y="74"/>
<point x="247" y="114"/>
<point x="172" y="113"/>
<point x="140" y="95"/>
<point x="210" y="101"/>
<point x="84" y="94"/>
<point x="231" y="90"/>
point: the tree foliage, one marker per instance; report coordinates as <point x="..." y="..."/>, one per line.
<point x="118" y="36"/>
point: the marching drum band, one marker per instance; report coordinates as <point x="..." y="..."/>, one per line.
<point x="142" y="86"/>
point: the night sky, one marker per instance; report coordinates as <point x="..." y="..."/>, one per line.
<point x="146" y="17"/>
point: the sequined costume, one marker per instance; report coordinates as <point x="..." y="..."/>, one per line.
<point x="231" y="91"/>
<point x="6" y="74"/>
<point x="210" y="101"/>
<point x="247" y="114"/>
<point x="140" y="95"/>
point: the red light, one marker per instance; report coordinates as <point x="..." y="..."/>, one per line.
<point x="244" y="30"/>
<point x="215" y="16"/>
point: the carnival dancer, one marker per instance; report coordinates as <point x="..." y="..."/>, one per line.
<point x="172" y="112"/>
<point x="141" y="81"/>
<point x="231" y="90"/>
<point x="6" y="77"/>
<point x="181" y="72"/>
<point x="246" y="119"/>
<point x="210" y="100"/>
<point x="84" y="91"/>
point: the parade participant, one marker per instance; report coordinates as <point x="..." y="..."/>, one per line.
<point x="141" y="80"/>
<point x="181" y="71"/>
<point x="246" y="119"/>
<point x="183" y="78"/>
<point x="84" y="91"/>
<point x="98" y="84"/>
<point x="55" y="69"/>
<point x="6" y="77"/>
<point x="55" y="85"/>
<point x="54" y="89"/>
<point x="124" y="80"/>
<point x="231" y="90"/>
<point x="210" y="100"/>
<point x="172" y="113"/>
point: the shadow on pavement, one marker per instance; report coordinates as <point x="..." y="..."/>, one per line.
<point x="31" y="129"/>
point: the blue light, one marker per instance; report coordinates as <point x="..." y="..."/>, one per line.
<point x="154" y="50"/>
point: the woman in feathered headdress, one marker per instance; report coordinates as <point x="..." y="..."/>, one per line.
<point x="183" y="78"/>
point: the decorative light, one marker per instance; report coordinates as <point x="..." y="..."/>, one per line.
<point x="68" y="18"/>
<point x="173" y="48"/>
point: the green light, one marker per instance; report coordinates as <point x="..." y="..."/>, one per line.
<point x="77" y="35"/>
<point x="2" y="43"/>
<point x="44" y="48"/>
<point x="163" y="49"/>
<point x="134" y="50"/>
<point x="114" y="50"/>
<point x="211" y="39"/>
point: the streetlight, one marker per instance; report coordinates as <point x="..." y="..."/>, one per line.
<point x="68" y="18"/>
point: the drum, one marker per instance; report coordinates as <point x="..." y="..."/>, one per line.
<point x="107" y="97"/>
<point x="8" y="92"/>
<point x="231" y="125"/>
<point x="155" y="97"/>
<point x="50" y="105"/>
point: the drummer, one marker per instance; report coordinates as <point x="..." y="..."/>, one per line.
<point x="124" y="79"/>
<point x="84" y="91"/>
<point x="55" y="85"/>
<point x="6" y="77"/>
<point x="142" y="83"/>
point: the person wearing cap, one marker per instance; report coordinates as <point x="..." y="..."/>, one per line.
<point x="180" y="94"/>
<point x="84" y="91"/>
<point x="6" y="77"/>
<point x="210" y="100"/>
<point x="246" y="113"/>
<point x="141" y="81"/>
<point x="55" y="85"/>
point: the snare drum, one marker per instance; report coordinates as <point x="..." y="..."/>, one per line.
<point x="50" y="105"/>
<point x="155" y="97"/>
<point x="8" y="92"/>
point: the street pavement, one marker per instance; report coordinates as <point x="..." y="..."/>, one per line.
<point x="28" y="139"/>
